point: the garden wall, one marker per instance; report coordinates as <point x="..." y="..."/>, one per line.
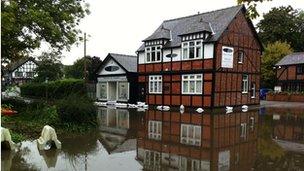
<point x="293" y="97"/>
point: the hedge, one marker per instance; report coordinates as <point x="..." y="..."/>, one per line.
<point x="54" y="89"/>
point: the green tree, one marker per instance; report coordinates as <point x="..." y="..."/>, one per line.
<point x="251" y="7"/>
<point x="50" y="67"/>
<point x="283" y="24"/>
<point x="273" y="53"/>
<point x="77" y="69"/>
<point x="26" y="23"/>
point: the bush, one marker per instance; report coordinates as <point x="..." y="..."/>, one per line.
<point x="54" y="89"/>
<point x="76" y="109"/>
<point x="14" y="103"/>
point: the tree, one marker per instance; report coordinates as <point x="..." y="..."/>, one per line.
<point x="273" y="54"/>
<point x="77" y="69"/>
<point x="251" y="7"/>
<point x="283" y="24"/>
<point x="25" y="23"/>
<point x="49" y="68"/>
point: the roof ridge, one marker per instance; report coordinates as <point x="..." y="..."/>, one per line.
<point x="189" y="16"/>
<point x="122" y="54"/>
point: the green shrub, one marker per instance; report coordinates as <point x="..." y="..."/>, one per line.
<point x="76" y="109"/>
<point x="14" y="103"/>
<point x="54" y="89"/>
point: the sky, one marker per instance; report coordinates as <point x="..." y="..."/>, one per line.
<point x="119" y="26"/>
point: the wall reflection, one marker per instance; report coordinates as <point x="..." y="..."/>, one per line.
<point x="191" y="141"/>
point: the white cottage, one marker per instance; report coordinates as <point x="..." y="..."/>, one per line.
<point x="117" y="79"/>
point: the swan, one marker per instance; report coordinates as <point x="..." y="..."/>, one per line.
<point x="244" y="107"/>
<point x="164" y="108"/>
<point x="182" y="107"/>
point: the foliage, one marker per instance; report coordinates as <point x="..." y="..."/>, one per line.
<point x="77" y="69"/>
<point x="251" y="7"/>
<point x="24" y="24"/>
<point x="53" y="89"/>
<point x="50" y="68"/>
<point x="16" y="137"/>
<point x="283" y="24"/>
<point x="14" y="103"/>
<point x="76" y="109"/>
<point x="273" y="53"/>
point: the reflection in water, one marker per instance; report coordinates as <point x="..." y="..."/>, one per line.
<point x="156" y="140"/>
<point x="192" y="141"/>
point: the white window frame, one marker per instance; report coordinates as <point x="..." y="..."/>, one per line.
<point x="196" y="44"/>
<point x="155" y="80"/>
<point x="149" y="51"/>
<point x="253" y="88"/>
<point x="118" y="90"/>
<point x="190" y="140"/>
<point x="186" y="78"/>
<point x="152" y="160"/>
<point x="106" y="83"/>
<point x="240" y="52"/>
<point x="155" y="130"/>
<point x="245" y="83"/>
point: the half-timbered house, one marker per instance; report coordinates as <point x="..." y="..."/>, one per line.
<point x="210" y="59"/>
<point x="117" y="79"/>
<point x="290" y="72"/>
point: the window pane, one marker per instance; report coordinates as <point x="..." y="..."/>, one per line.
<point x="155" y="86"/>
<point x="148" y="57"/>
<point x="185" y="53"/>
<point x="123" y="91"/>
<point x="191" y="43"/>
<point x="192" y="86"/>
<point x="185" y="86"/>
<point x="191" y="52"/>
<point x="198" y="86"/>
<point x="198" y="52"/>
<point x="158" y="56"/>
<point x="153" y="56"/>
<point x="103" y="90"/>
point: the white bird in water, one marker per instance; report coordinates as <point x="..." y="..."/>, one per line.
<point x="164" y="108"/>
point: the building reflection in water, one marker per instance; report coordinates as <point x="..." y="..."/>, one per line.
<point x="117" y="129"/>
<point x="191" y="141"/>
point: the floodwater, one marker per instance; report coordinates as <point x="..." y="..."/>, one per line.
<point x="259" y="139"/>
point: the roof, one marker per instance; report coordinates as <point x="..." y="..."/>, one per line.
<point x="291" y="59"/>
<point x="160" y="33"/>
<point x="214" y="21"/>
<point x="128" y="62"/>
<point x="20" y="62"/>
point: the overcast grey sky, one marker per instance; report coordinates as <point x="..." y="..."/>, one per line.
<point x="119" y="26"/>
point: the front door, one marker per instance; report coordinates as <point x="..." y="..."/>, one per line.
<point x="142" y="92"/>
<point x="112" y="91"/>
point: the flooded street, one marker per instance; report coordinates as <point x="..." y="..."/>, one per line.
<point x="268" y="138"/>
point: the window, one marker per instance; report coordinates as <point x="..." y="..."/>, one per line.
<point x="300" y="69"/>
<point x="18" y="74"/>
<point x="155" y="130"/>
<point x="192" y="84"/>
<point x="243" y="131"/>
<point x="103" y="90"/>
<point x="227" y="57"/>
<point x="240" y="57"/>
<point x="192" y="49"/>
<point x="123" y="93"/>
<point x="153" y="54"/>
<point x="152" y="160"/>
<point x="155" y="84"/>
<point x="190" y="134"/>
<point x="253" y="91"/>
<point x="251" y="123"/>
<point x="245" y="84"/>
<point x="30" y="74"/>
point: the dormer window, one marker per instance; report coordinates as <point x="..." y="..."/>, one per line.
<point x="153" y="54"/>
<point x="192" y="50"/>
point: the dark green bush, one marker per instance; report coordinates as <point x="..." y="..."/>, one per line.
<point x="54" y="89"/>
<point x="76" y="109"/>
<point x="14" y="103"/>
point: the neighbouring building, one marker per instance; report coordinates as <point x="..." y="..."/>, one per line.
<point x="117" y="79"/>
<point x="290" y="72"/>
<point x="210" y="59"/>
<point x="191" y="141"/>
<point x="21" y="71"/>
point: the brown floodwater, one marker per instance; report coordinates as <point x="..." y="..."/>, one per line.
<point x="259" y="139"/>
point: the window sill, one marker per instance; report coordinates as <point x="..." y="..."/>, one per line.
<point x="153" y="62"/>
<point x="191" y="93"/>
<point x="252" y="97"/>
<point x="192" y="59"/>
<point x="155" y="93"/>
<point x="240" y="62"/>
<point x="244" y="92"/>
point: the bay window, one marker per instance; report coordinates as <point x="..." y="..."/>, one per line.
<point x="190" y="134"/>
<point x="245" y="83"/>
<point x="155" y="84"/>
<point x="153" y="54"/>
<point x="192" y="84"/>
<point x="192" y="49"/>
<point x="103" y="90"/>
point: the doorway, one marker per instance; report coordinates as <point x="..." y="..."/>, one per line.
<point x="112" y="90"/>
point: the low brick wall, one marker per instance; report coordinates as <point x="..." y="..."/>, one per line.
<point x="285" y="97"/>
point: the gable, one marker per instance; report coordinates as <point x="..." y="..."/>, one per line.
<point x="110" y="68"/>
<point x="28" y="66"/>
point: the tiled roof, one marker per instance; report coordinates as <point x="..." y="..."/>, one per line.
<point x="294" y="58"/>
<point x="129" y="62"/>
<point x="213" y="21"/>
<point x="160" y="33"/>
